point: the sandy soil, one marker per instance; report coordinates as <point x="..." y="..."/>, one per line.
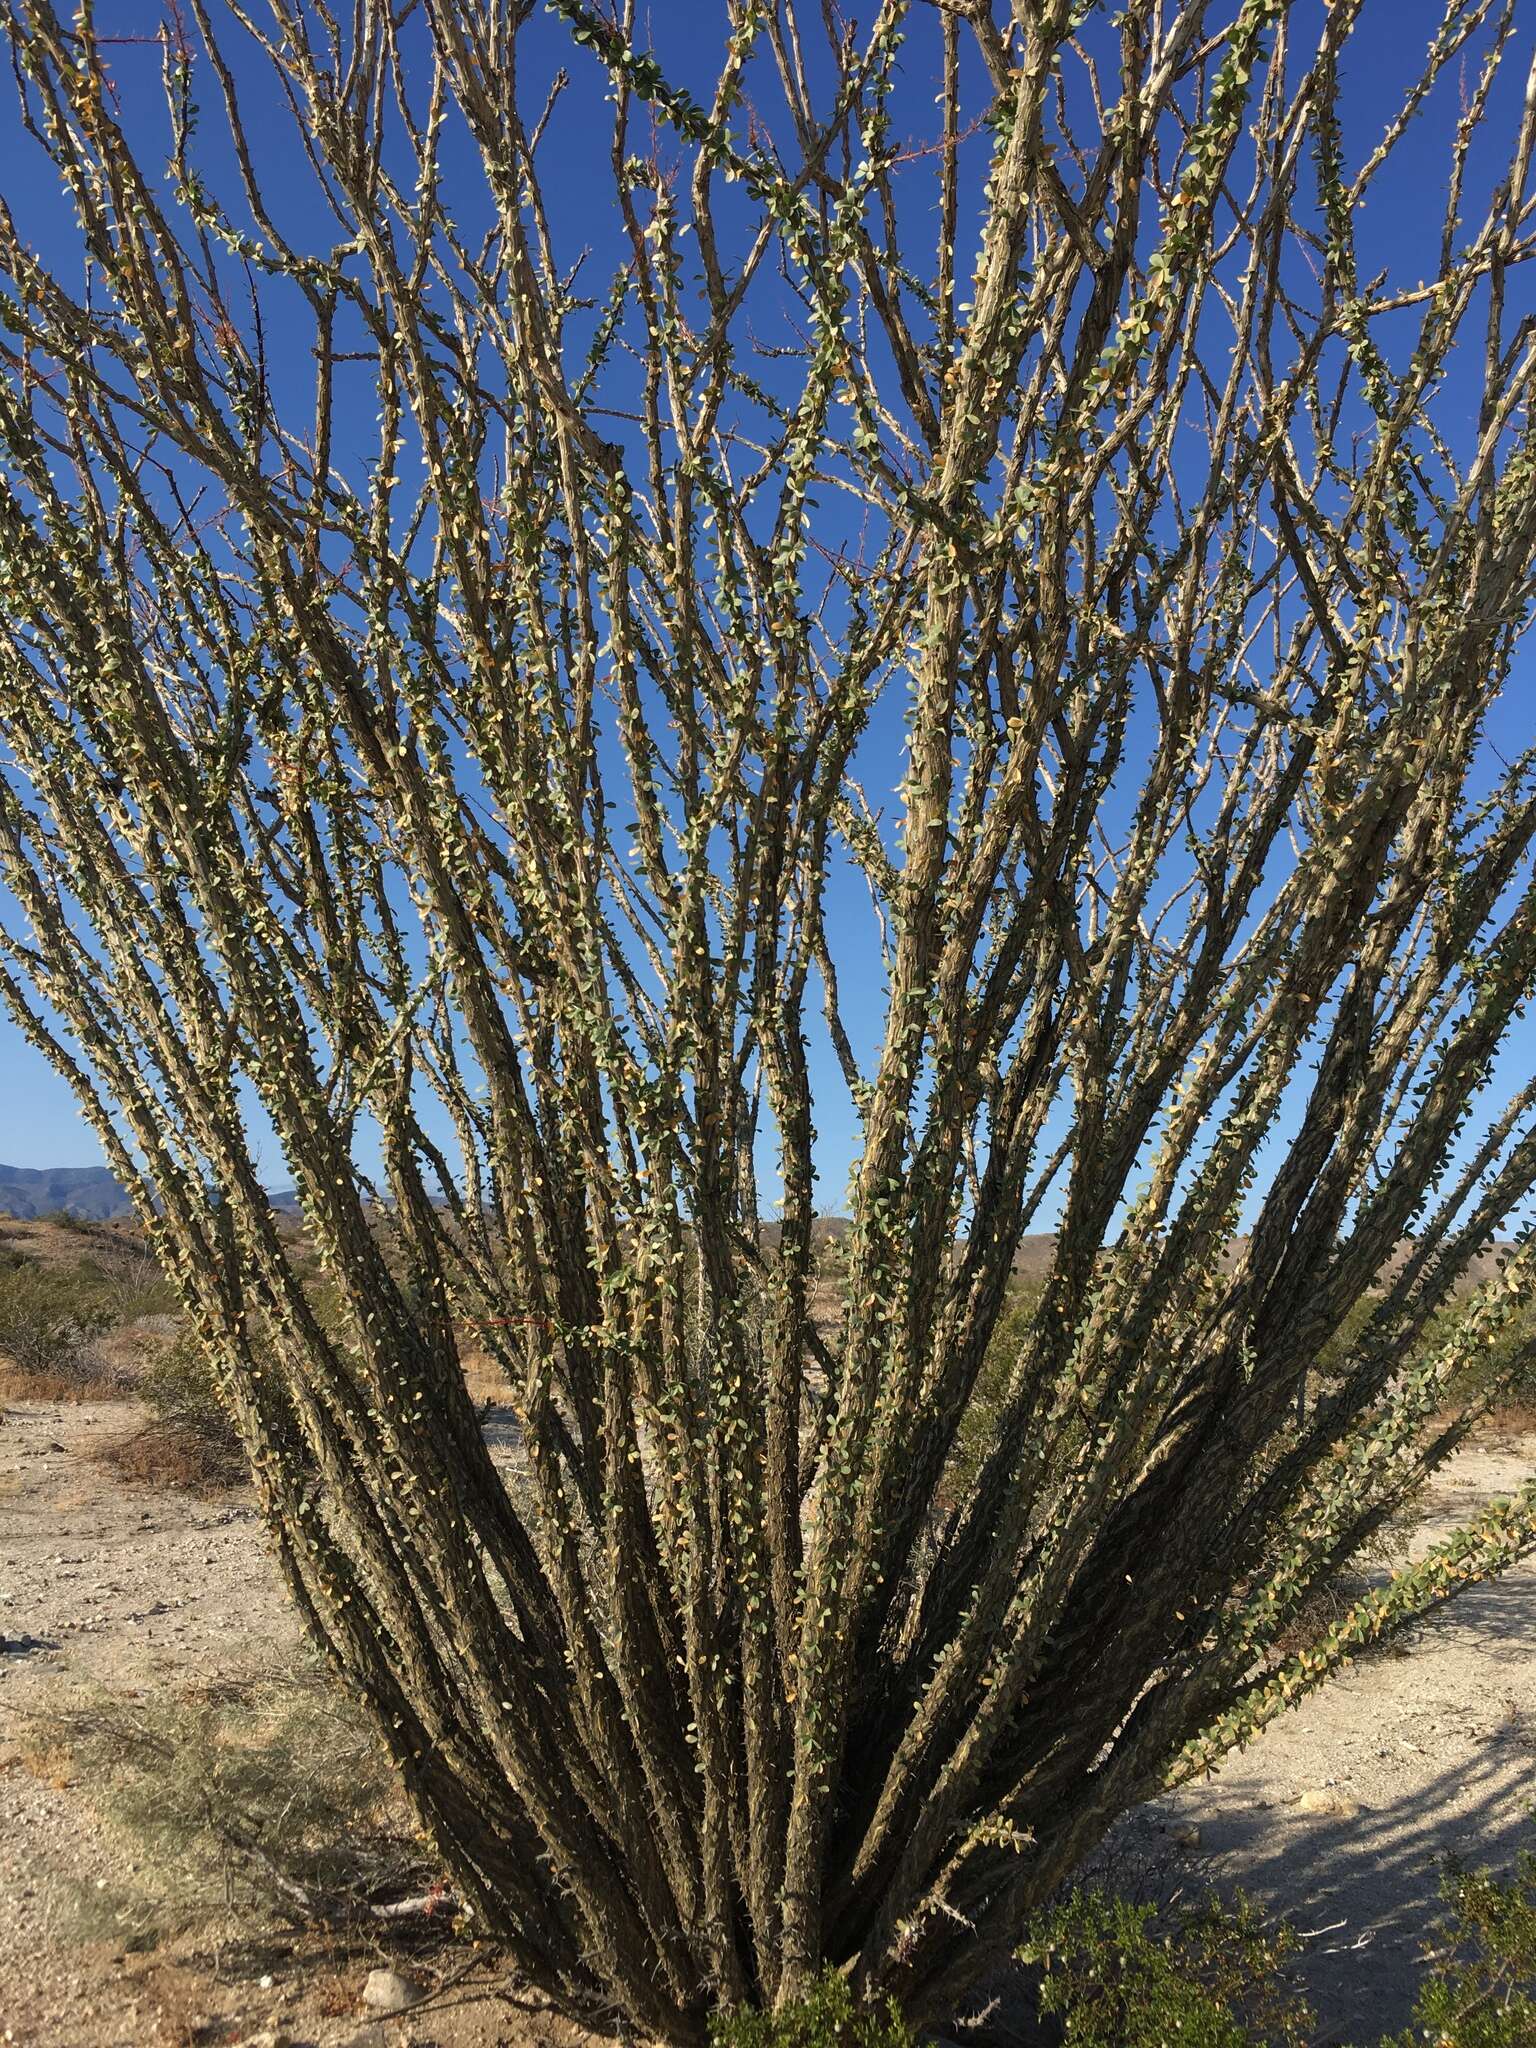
<point x="100" y="1582"/>
<point x="106" y="1583"/>
<point x="1422" y="1751"/>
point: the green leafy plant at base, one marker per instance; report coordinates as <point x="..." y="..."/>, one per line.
<point x="1121" y="1976"/>
<point x="826" y="2017"/>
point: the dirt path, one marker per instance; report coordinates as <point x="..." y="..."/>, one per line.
<point x="104" y="1583"/>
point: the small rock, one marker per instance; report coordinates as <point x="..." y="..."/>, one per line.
<point x="269" y="2037"/>
<point x="1329" y="1803"/>
<point x="389" y="1991"/>
<point x="1187" y="1837"/>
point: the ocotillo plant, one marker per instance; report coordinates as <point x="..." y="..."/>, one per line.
<point x="956" y="582"/>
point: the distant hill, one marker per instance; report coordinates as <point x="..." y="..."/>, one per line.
<point x="90" y="1192"/>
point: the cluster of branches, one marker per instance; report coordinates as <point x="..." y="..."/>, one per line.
<point x="491" y="820"/>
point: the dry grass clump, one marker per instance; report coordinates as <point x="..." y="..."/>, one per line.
<point x="190" y="1440"/>
<point x="161" y="1453"/>
<point x="1515" y="1418"/>
<point x="264" y="1800"/>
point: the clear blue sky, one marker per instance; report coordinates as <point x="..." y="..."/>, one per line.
<point x="39" y="1125"/>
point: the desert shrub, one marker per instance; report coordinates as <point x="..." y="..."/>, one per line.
<point x="192" y="1437"/>
<point x="129" y="1279"/>
<point x="1110" y="1973"/>
<point x="268" y="1795"/>
<point x="64" y="1219"/>
<point x="50" y="1318"/>
<point x="827" y="2017"/>
<point x="1480" y="1990"/>
<point x="1124" y="1975"/>
<point x="1506" y="1366"/>
<point x="53" y="1314"/>
<point x="1502" y="1366"/>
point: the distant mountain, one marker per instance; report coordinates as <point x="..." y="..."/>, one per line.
<point x="91" y="1192"/>
<point x="88" y="1191"/>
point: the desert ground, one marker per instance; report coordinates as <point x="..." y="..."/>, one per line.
<point x="1335" y="1817"/>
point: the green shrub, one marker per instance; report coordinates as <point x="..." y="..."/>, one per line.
<point x="826" y="2018"/>
<point x="1481" y="1988"/>
<point x="52" y="1314"/>
<point x="1508" y="1364"/>
<point x="50" y="1318"/>
<point x="1121" y="1975"/>
<point x="129" y="1279"/>
<point x="1117" y="1974"/>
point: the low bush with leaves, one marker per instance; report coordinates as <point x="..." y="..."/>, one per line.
<point x="1499" y="1372"/>
<point x="826" y="2018"/>
<point x="54" y="1314"/>
<point x="1480" y="1991"/>
<point x="1113" y="1973"/>
<point x="1123" y="1975"/>
<point x="1505" y="1370"/>
<point x="53" y="1320"/>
